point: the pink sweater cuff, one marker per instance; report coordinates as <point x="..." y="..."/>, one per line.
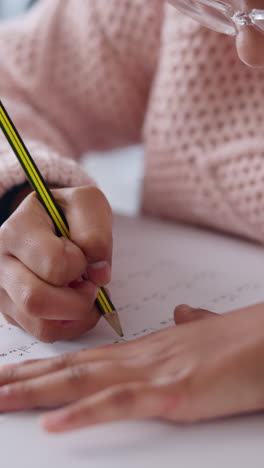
<point x="55" y="169"/>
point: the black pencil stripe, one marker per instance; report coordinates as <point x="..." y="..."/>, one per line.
<point x="35" y="168"/>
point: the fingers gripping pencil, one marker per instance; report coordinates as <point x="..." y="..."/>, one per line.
<point x="38" y="184"/>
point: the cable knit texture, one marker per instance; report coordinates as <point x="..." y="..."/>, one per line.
<point x="78" y="75"/>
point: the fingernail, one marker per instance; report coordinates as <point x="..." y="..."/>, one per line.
<point x="186" y="309"/>
<point x="99" y="272"/>
<point x="54" y="422"/>
<point x="99" y="265"/>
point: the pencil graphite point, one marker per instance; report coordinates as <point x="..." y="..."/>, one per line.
<point x="113" y="320"/>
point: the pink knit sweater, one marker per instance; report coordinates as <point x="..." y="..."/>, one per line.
<point x="78" y="75"/>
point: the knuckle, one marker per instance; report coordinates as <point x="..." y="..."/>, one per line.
<point x="93" y="193"/>
<point x="188" y="384"/>
<point x="32" y="300"/>
<point x="99" y="197"/>
<point x="10" y="375"/>
<point x="53" y="266"/>
<point x="79" y="195"/>
<point x="61" y="361"/>
<point x="77" y="375"/>
<point x="99" y="244"/>
<point x="22" y="391"/>
<point x="97" y="238"/>
<point x="25" y="392"/>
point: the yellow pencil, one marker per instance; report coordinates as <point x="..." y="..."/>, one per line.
<point x="38" y="184"/>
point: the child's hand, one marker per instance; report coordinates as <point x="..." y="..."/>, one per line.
<point x="37" y="267"/>
<point x="200" y="369"/>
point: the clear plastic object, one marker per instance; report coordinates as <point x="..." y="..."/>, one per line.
<point x="220" y="16"/>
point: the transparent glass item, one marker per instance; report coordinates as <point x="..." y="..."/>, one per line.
<point x="220" y="16"/>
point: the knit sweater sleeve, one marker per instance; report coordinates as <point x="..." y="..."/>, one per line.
<point x="75" y="76"/>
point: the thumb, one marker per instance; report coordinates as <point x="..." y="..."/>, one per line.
<point x="90" y="220"/>
<point x="184" y="313"/>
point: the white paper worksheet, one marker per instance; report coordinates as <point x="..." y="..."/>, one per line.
<point x="156" y="266"/>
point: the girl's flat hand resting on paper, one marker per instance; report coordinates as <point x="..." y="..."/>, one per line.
<point x="40" y="286"/>
<point x="209" y="366"/>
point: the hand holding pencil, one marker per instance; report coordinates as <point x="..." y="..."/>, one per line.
<point x="37" y="266"/>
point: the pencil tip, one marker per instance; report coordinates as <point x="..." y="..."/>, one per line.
<point x="113" y="320"/>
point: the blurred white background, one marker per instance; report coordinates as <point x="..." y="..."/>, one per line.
<point x="10" y="8"/>
<point x="118" y="173"/>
